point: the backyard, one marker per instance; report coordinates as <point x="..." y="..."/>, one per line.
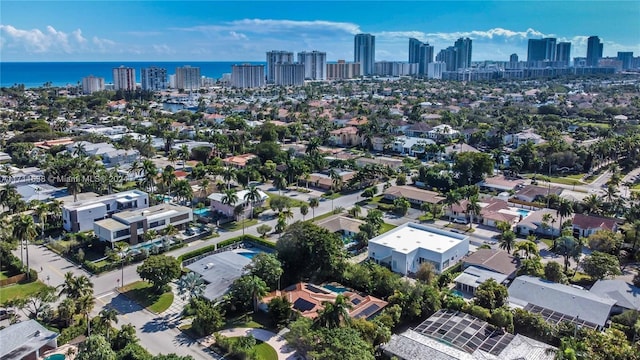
<point x="20" y="291"/>
<point x="142" y="293"/>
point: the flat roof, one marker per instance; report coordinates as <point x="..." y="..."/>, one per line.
<point x="151" y="213"/>
<point x="219" y="271"/>
<point x="111" y="225"/>
<point x="410" y="236"/>
<point x="88" y="203"/>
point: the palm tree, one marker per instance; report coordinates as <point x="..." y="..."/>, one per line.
<point x="172" y="157"/>
<point x="191" y="284"/>
<point x="41" y="212"/>
<point x="287" y="213"/>
<point x="228" y="175"/>
<point x="592" y="204"/>
<point x="258" y="288"/>
<point x="230" y="197"/>
<point x="334" y="313"/>
<point x="529" y="247"/>
<point x="168" y="178"/>
<point x="507" y="240"/>
<point x="204" y="188"/>
<point x="85" y="305"/>
<point x="280" y="182"/>
<point x="452" y="198"/>
<point x="252" y="196"/>
<point x="66" y="310"/>
<point x="565" y="209"/>
<point x="568" y="247"/>
<point x="313" y="204"/>
<point x="355" y="211"/>
<point x="24" y="230"/>
<point x="73" y="185"/>
<point x="107" y="316"/>
<point x="304" y="210"/>
<point x="185" y="154"/>
<point x="473" y="209"/>
<point x="635" y="228"/>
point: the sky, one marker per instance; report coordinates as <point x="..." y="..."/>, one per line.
<point x="244" y="31"/>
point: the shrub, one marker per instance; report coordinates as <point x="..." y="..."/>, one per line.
<point x="71" y="333"/>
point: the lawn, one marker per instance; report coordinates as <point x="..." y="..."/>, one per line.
<point x="20" y="291"/>
<point x="548" y="242"/>
<point x="292" y="202"/>
<point x="263" y="350"/>
<point x="560" y="180"/>
<point x="142" y="293"/>
<point x="237" y="225"/>
<point x="253" y="321"/>
<point x="386" y="227"/>
<point x="323" y="216"/>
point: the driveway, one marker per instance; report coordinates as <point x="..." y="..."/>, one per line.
<point x="274" y="340"/>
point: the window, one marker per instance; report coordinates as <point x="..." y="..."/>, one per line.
<point x="155" y="224"/>
<point x="121" y="233"/>
<point x="108" y="207"/>
<point x="145" y="201"/>
<point x="140" y="224"/>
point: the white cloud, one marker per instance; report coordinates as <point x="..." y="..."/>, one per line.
<point x="266" y="26"/>
<point x="51" y="40"/>
<point x="163" y="49"/>
<point x="237" y="35"/>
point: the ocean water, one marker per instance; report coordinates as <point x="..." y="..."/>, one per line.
<point x="35" y="74"/>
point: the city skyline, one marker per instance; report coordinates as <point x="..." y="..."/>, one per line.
<point x="229" y="31"/>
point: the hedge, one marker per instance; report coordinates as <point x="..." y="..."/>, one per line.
<point x="235" y="240"/>
<point x="198" y="252"/>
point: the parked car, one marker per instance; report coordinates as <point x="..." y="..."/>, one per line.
<point x="6" y="314"/>
<point x="460" y="221"/>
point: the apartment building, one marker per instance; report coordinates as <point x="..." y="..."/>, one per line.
<point x="124" y="78"/>
<point x="132" y="224"/>
<point x="79" y="216"/>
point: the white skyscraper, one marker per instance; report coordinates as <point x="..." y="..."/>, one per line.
<point x="153" y="78"/>
<point x="91" y="84"/>
<point x="275" y="57"/>
<point x="188" y="78"/>
<point x="315" y="64"/>
<point x="364" y="52"/>
<point x="124" y="78"/>
<point x="289" y="74"/>
<point x="247" y="76"/>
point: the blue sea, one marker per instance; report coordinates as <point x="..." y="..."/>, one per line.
<point x="35" y="74"/>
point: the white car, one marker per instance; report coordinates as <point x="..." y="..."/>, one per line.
<point x="460" y="221"/>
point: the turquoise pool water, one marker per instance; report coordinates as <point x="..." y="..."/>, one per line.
<point x="249" y="254"/>
<point x="347" y="239"/>
<point x="56" y="357"/>
<point x="457" y="293"/>
<point x="202" y="212"/>
<point x="336" y="289"/>
<point x="523" y="212"/>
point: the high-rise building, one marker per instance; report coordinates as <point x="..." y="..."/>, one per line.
<point x="315" y="64"/>
<point x="463" y="53"/>
<point x="541" y="49"/>
<point x="563" y="53"/>
<point x="124" y="78"/>
<point x="414" y="50"/>
<point x="627" y="59"/>
<point x="91" y="84"/>
<point x="343" y="70"/>
<point x="594" y="50"/>
<point x="513" y="58"/>
<point x="364" y="52"/>
<point x="188" y="78"/>
<point x="247" y="76"/>
<point x="275" y="57"/>
<point x="288" y="74"/>
<point x="153" y="78"/>
<point x="448" y="56"/>
<point x="435" y="69"/>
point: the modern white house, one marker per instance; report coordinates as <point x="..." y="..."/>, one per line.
<point x="79" y="216"/>
<point x="442" y="131"/>
<point x="406" y="247"/>
<point x="411" y="146"/>
<point x="217" y="204"/>
<point x="131" y="225"/>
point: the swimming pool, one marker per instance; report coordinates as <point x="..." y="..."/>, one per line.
<point x="348" y="239"/>
<point x="457" y="293"/>
<point x="56" y="357"/>
<point x="248" y="254"/>
<point x="204" y="212"/>
<point x="524" y="213"/>
<point x="335" y="289"/>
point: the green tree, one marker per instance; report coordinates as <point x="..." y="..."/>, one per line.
<point x="568" y="247"/>
<point x="565" y="209"/>
<point x="605" y="241"/>
<point x="304" y="210"/>
<point x="263" y="229"/>
<point x="600" y="265"/>
<point x="207" y="317"/>
<point x="252" y="196"/>
<point x="267" y="267"/>
<point x="426" y="273"/>
<point x="76" y="287"/>
<point x="313" y="204"/>
<point x="491" y="295"/>
<point x="507" y="241"/>
<point x="401" y="206"/>
<point x="553" y="272"/>
<point x="24" y="229"/>
<point x="95" y="347"/>
<point x="532" y="267"/>
<point x="191" y="285"/>
<point x="341" y="343"/>
<point x="107" y="316"/>
<point x="126" y="335"/>
<point x="472" y="167"/>
<point x="334" y="313"/>
<point x="159" y="270"/>
<point x="280" y="311"/>
<point x="503" y="318"/>
<point x="301" y="335"/>
<point x="246" y="292"/>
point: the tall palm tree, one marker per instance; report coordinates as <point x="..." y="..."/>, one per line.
<point x="172" y="157"/>
<point x="252" y="196"/>
<point x="107" y="316"/>
<point x="287" y="213"/>
<point x="258" y="288"/>
<point x="565" y="209"/>
<point x="507" y="240"/>
<point x="230" y="197"/>
<point x="635" y="228"/>
<point x="76" y="287"/>
<point x="42" y="211"/>
<point x="204" y="188"/>
<point x="313" y="204"/>
<point x="334" y="313"/>
<point x="452" y="197"/>
<point x="25" y="231"/>
<point x="280" y="182"/>
<point x="150" y="172"/>
<point x="74" y="186"/>
<point x="473" y="209"/>
<point x="168" y="178"/>
<point x="185" y="154"/>
<point x="191" y="284"/>
<point x="85" y="305"/>
<point x="304" y="210"/>
<point x="228" y="175"/>
<point x="592" y="204"/>
<point x="66" y="311"/>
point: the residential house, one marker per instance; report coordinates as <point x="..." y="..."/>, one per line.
<point x="26" y="340"/>
<point x="120" y="157"/>
<point x="217" y="205"/>
<point x="308" y="299"/>
<point x="533" y="193"/>
<point x="491" y="213"/>
<point x="501" y="183"/>
<point x="454" y="335"/>
<point x="494" y="260"/>
<point x="521" y="138"/>
<point x="4" y="158"/>
<point x="79" y="216"/>
<point x="131" y="225"/>
<point x="558" y="302"/>
<point x="442" y="131"/>
<point x="626" y="295"/>
<point x="452" y="150"/>
<point x="345" y="137"/>
<point x="412" y="146"/>
<point x="345" y="226"/>
<point x="394" y="164"/>
<point x="323" y="180"/>
<point x="40" y="192"/>
<point x="414" y="195"/>
<point x="585" y="225"/>
<point x="239" y="161"/>
<point x="406" y="247"/>
<point x="534" y="224"/>
<point x="472" y="277"/>
<point x="219" y="271"/>
<point x="48" y="144"/>
<point x="420" y="129"/>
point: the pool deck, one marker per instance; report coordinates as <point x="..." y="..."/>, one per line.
<point x="62" y="350"/>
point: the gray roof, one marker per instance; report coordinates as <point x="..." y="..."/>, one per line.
<point x="626" y="295"/>
<point x="219" y="271"/>
<point x="411" y="345"/>
<point x="21" y="339"/>
<point x="560" y="298"/>
<point x="474" y="276"/>
<point x="524" y="348"/>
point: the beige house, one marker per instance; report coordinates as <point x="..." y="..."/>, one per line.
<point x="414" y="195"/>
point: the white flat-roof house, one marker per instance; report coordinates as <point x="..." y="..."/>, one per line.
<point x="227" y="210"/>
<point x="80" y="215"/>
<point x="130" y="225"/>
<point x="406" y="247"/>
